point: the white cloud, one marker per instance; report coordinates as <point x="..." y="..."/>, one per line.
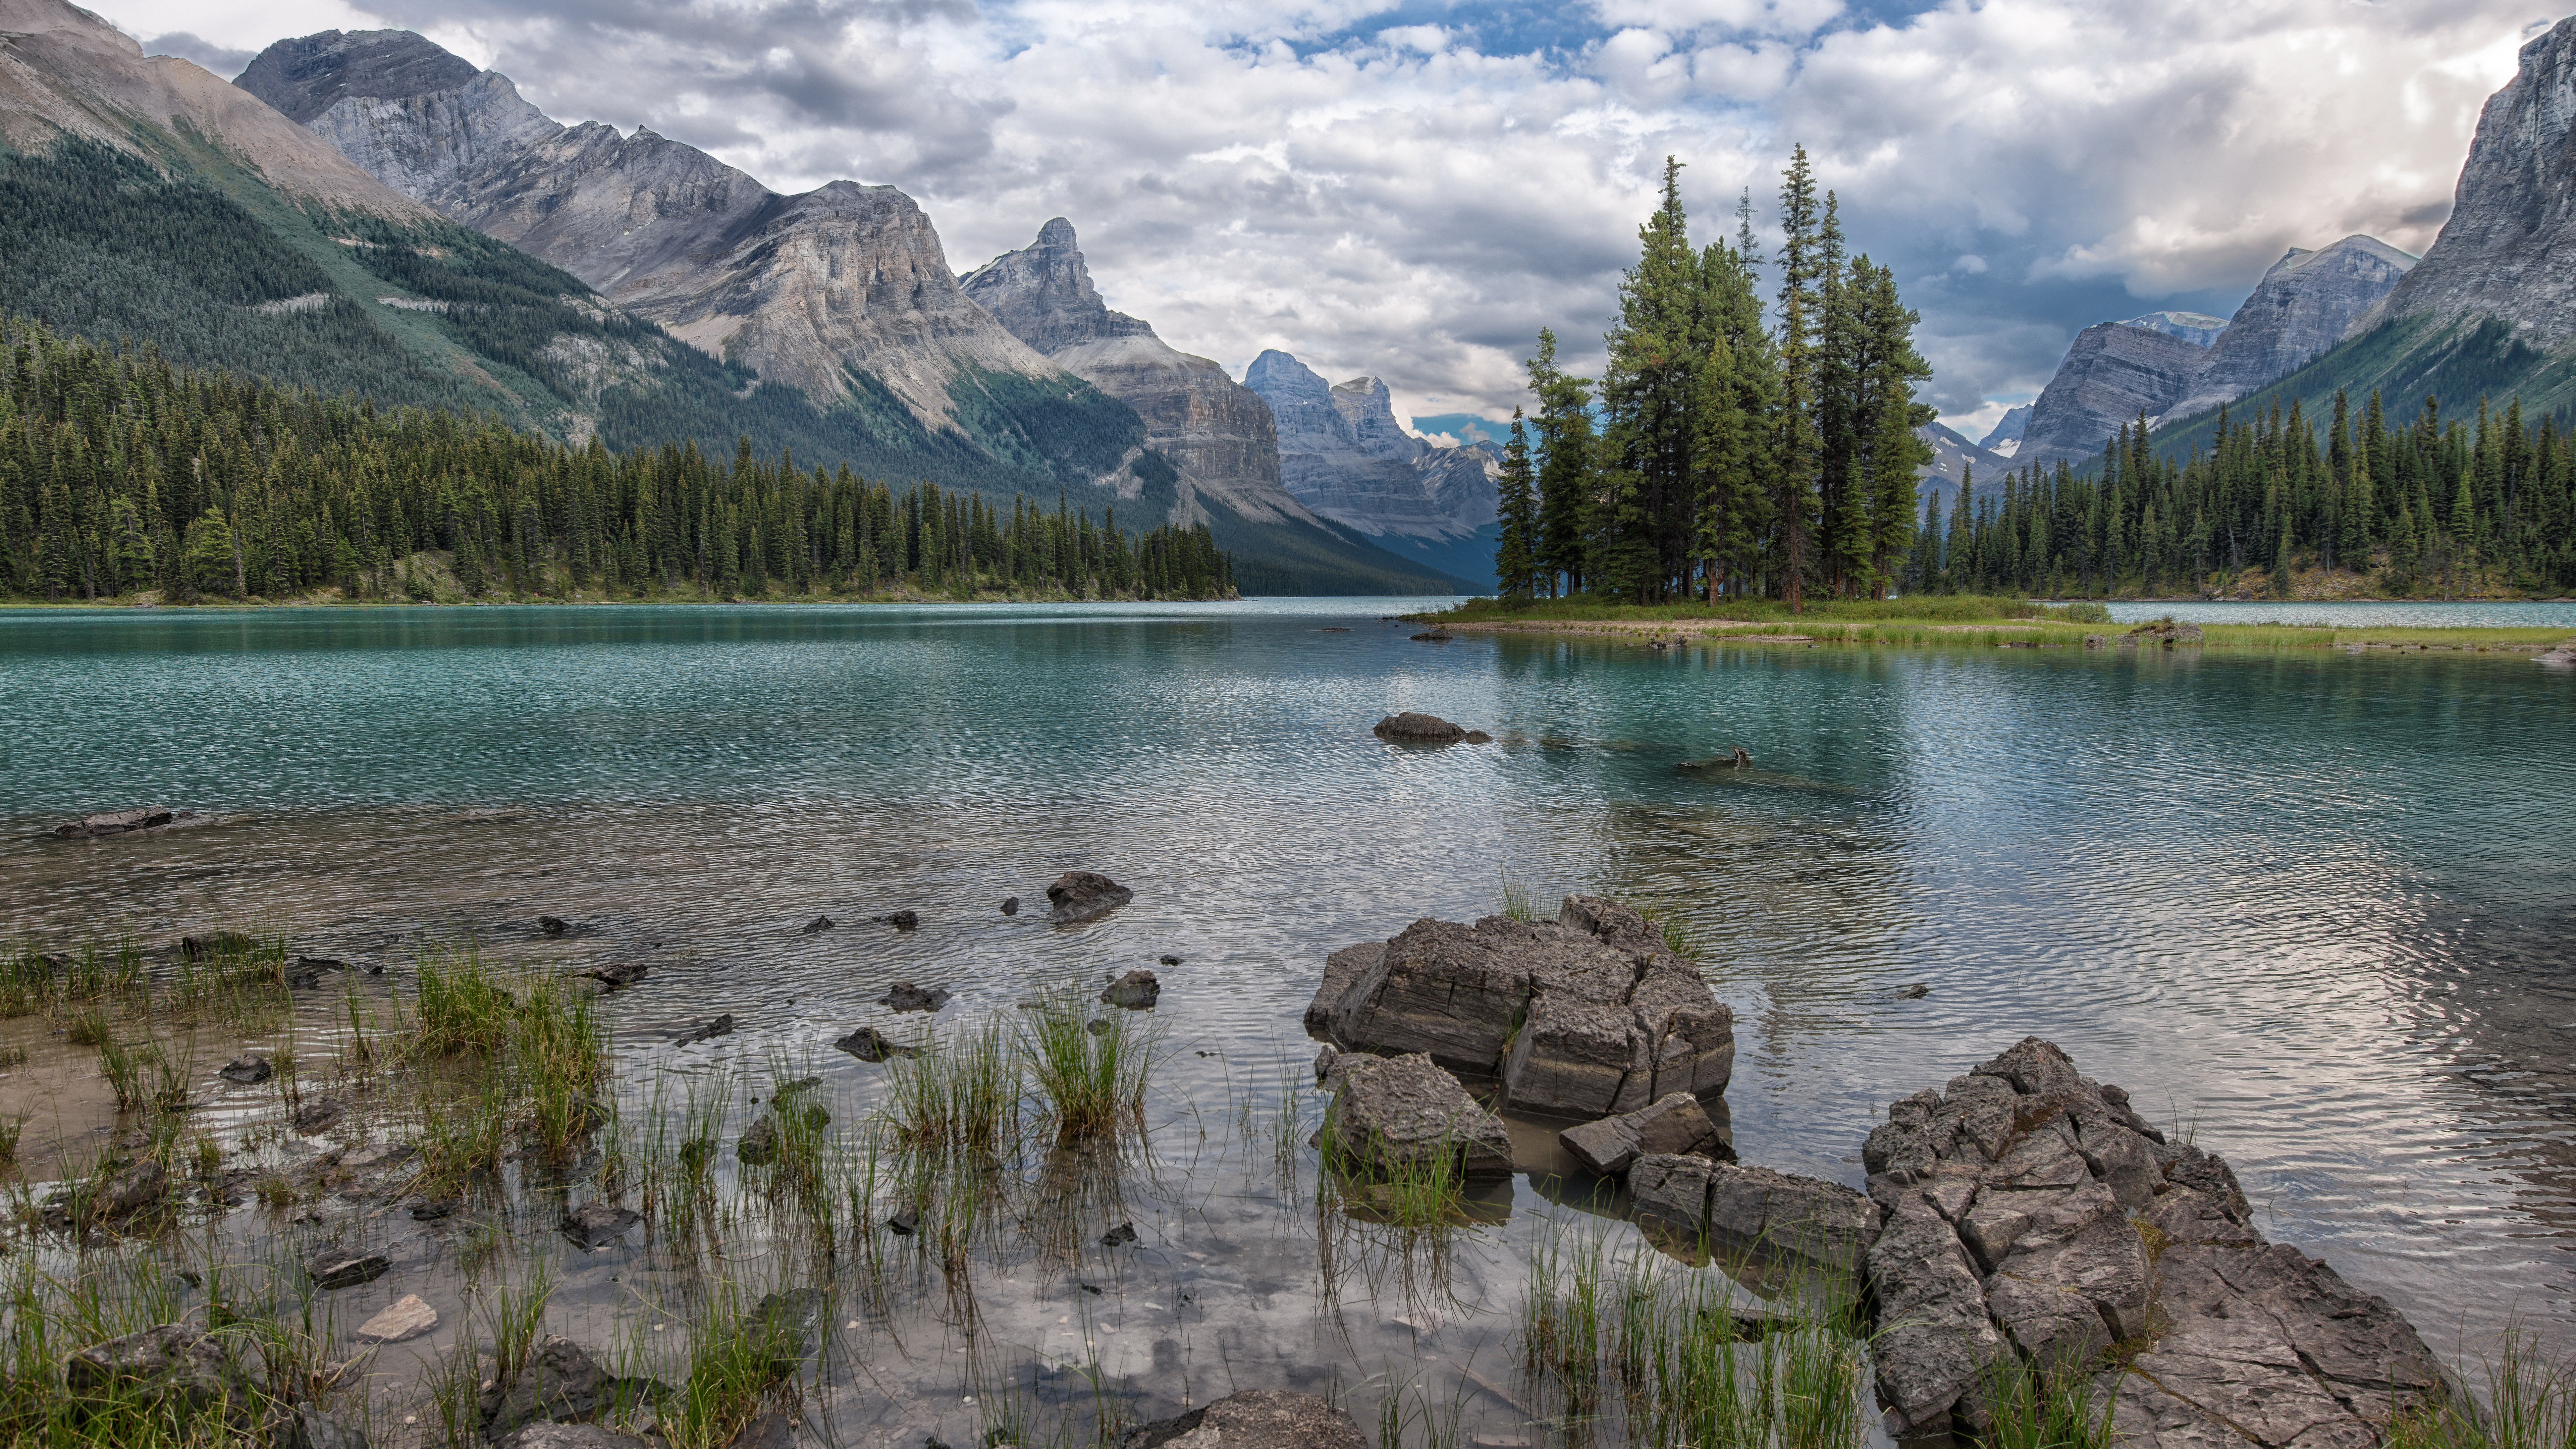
<point x="1416" y="201"/>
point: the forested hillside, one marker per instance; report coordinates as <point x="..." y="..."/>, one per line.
<point x="122" y="473"/>
<point x="2435" y="505"/>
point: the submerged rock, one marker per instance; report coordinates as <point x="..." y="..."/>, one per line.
<point x="320" y="1115"/>
<point x="819" y="923"/>
<point x="871" y="1045"/>
<point x="900" y="920"/>
<point x="544" y="1435"/>
<point x="560" y="1381"/>
<point x="596" y="1224"/>
<point x="1741" y="759"/>
<point x="341" y="1268"/>
<point x="904" y="996"/>
<point x="1434" y="636"/>
<point x="406" y="1317"/>
<point x="120" y="822"/>
<point x="553" y="926"/>
<point x="1406" y="1112"/>
<point x="305" y="972"/>
<point x="307" y="1427"/>
<point x="1084" y="895"/>
<point x="1254" y="1419"/>
<point x="1136" y="990"/>
<point x="1584" y="1016"/>
<point x="2562" y="657"/>
<point x="248" y="1070"/>
<point x="625" y="973"/>
<point x="704" y="1031"/>
<point x="1010" y="905"/>
<point x="2166" y="632"/>
<point x="217" y="943"/>
<point x="1672" y="1126"/>
<point x="1412" y="728"/>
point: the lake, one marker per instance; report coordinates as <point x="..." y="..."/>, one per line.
<point x="2316" y="910"/>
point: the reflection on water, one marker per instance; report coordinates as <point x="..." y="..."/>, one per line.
<point x="2316" y="911"/>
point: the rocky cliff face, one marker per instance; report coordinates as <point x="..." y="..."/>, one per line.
<point x="2113" y="372"/>
<point x="65" y="71"/>
<point x="1216" y="433"/>
<point x="2303" y="306"/>
<point x="2509" y="249"/>
<point x="1954" y="460"/>
<point x="799" y="288"/>
<point x="2197" y="328"/>
<point x="1342" y="453"/>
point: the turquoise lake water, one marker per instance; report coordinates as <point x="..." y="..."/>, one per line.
<point x="2319" y="911"/>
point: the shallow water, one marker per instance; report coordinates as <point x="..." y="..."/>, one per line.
<point x="2320" y="912"/>
<point x="2394" y="614"/>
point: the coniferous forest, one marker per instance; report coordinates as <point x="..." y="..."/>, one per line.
<point x="1718" y="454"/>
<point x="2433" y="506"/>
<point x="1724" y="456"/>
<point x="121" y="473"/>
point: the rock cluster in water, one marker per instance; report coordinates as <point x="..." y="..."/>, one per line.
<point x="1584" y="1016"/>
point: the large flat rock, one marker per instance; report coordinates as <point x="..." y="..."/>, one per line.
<point x="1585" y="1016"/>
<point x="2032" y="1218"/>
<point x="1393" y="1113"/>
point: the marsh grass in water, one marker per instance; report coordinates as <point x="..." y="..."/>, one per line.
<point x="1089" y="1062"/>
<point x="1633" y="1348"/>
<point x="2530" y="1403"/>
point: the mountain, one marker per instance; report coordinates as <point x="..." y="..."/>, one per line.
<point x="2490" y="310"/>
<point x="2303" y="306"/>
<point x="1343" y="454"/>
<point x="2112" y="373"/>
<point x="1954" y="457"/>
<point x="2197" y="328"/>
<point x="1215" y="435"/>
<point x="2005" y="436"/>
<point x="142" y="198"/>
<point x="841" y="295"/>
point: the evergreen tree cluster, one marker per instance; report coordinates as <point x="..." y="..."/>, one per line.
<point x="1720" y="453"/>
<point x="120" y="472"/>
<point x="2437" y="505"/>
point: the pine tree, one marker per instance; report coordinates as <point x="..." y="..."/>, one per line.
<point x="1565" y="467"/>
<point x="1657" y="349"/>
<point x="1515" y="559"/>
<point x="1798" y="452"/>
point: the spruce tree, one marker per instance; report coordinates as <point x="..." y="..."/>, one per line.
<point x="1515" y="556"/>
<point x="1657" y="347"/>
<point x="1565" y="467"/>
<point x="1797" y="450"/>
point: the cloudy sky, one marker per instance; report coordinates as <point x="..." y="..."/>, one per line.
<point x="1414" y="190"/>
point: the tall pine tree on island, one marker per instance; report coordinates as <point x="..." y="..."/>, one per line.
<point x="1515" y="551"/>
<point x="1565" y="469"/>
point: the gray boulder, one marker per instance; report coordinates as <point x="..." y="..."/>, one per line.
<point x="339" y="1268"/>
<point x="115" y="822"/>
<point x="171" y="1362"/>
<point x="559" y="1381"/>
<point x="1585" y="1016"/>
<point x="1674" y="1125"/>
<point x="597" y="1223"/>
<point x="1406" y="1111"/>
<point x="1423" y="729"/>
<point x="1084" y="895"/>
<point x="1253" y="1419"/>
<point x="2019" y="1204"/>
<point x="1776" y="1217"/>
<point x="1136" y="990"/>
<point x="307" y="1427"/>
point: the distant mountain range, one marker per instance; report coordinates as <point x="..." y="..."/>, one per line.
<point x="2488" y="312"/>
<point x="369" y="213"/>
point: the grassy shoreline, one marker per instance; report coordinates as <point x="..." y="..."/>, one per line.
<point x="1957" y="621"/>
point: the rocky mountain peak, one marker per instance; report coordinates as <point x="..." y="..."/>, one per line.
<point x="2112" y="373"/>
<point x="310" y="74"/>
<point x="2306" y="303"/>
<point x="2007" y="431"/>
<point x="1043" y="294"/>
<point x="1369" y="408"/>
<point x="2509" y="248"/>
<point x="2197" y="328"/>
